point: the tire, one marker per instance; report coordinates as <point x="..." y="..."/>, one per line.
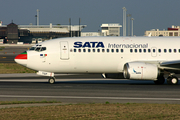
<point x="52" y="80"/>
<point x="172" y="80"/>
<point x="160" y="80"/>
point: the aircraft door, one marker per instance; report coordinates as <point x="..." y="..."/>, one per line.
<point x="153" y="51"/>
<point x="64" y="50"/>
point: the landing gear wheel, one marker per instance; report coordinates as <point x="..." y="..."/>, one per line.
<point x="51" y="80"/>
<point x="172" y="80"/>
<point x="160" y="80"/>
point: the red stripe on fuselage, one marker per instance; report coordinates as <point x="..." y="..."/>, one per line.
<point x="21" y="56"/>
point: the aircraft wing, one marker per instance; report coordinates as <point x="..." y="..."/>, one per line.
<point x="171" y="64"/>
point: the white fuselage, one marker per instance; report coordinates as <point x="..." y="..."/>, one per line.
<point x="90" y="54"/>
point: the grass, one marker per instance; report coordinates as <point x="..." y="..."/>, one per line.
<point x="135" y="111"/>
<point x="26" y="102"/>
<point x="1" y="48"/>
<point x="14" y="68"/>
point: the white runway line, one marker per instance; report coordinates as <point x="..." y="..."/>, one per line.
<point x="83" y="97"/>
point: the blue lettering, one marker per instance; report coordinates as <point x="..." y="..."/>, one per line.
<point x="100" y="44"/>
<point x="93" y="44"/>
<point x="78" y="44"/>
<point x="87" y="44"/>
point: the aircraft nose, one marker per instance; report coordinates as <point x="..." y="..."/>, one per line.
<point x="21" y="59"/>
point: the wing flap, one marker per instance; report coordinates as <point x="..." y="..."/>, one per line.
<point x="171" y="64"/>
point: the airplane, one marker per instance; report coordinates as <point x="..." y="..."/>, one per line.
<point x="134" y="58"/>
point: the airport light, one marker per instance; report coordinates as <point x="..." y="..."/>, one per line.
<point x="124" y="21"/>
<point x="79" y="27"/>
<point x="38" y="17"/>
<point x="70" y="27"/>
<point x="35" y="19"/>
<point x="132" y="26"/>
<point x="129" y="17"/>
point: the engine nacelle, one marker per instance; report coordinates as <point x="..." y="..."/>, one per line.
<point x="140" y="70"/>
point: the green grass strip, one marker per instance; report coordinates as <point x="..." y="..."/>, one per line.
<point x="26" y="102"/>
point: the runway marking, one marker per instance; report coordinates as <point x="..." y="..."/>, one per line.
<point x="83" y="97"/>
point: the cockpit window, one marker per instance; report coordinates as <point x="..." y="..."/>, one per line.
<point x="43" y="48"/>
<point x="38" y="48"/>
<point x="32" y="48"/>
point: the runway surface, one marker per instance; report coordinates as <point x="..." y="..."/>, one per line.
<point x="85" y="89"/>
<point x="7" y="58"/>
<point x="8" y="53"/>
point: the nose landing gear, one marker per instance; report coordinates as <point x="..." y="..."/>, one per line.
<point x="51" y="80"/>
<point x="50" y="74"/>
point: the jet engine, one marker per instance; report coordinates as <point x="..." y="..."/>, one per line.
<point x="140" y="70"/>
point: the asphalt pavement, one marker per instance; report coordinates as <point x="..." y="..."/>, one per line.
<point x="71" y="88"/>
<point x="8" y="53"/>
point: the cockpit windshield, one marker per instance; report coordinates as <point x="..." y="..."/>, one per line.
<point x="38" y="49"/>
<point x="32" y="48"/>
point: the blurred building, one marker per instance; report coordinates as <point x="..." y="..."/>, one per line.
<point x="13" y="33"/>
<point x="111" y="29"/>
<point x="85" y="34"/>
<point x="173" y="31"/>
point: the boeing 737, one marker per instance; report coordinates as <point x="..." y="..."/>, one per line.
<point x="135" y="58"/>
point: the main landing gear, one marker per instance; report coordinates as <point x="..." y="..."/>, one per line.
<point x="51" y="80"/>
<point x="171" y="80"/>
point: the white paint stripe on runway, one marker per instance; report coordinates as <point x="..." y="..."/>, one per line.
<point x="84" y="97"/>
<point x="57" y="80"/>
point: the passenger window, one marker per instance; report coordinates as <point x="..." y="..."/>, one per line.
<point x="131" y="50"/>
<point x="159" y="50"/>
<point x="179" y="50"/>
<point x="135" y="50"/>
<point x="140" y="50"/>
<point x="94" y="50"/>
<point x="122" y="50"/>
<point x="103" y="50"/>
<point x="74" y="50"/>
<point x="107" y="50"/>
<point x="117" y="50"/>
<point x="98" y="50"/>
<point x="170" y="50"/>
<point x="174" y="50"/>
<point x="144" y="50"/>
<point x="84" y="50"/>
<point x="79" y="50"/>
<point x="89" y="50"/>
<point x="149" y="50"/>
<point x="154" y="50"/>
<point x="112" y="50"/>
<point x="165" y="50"/>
